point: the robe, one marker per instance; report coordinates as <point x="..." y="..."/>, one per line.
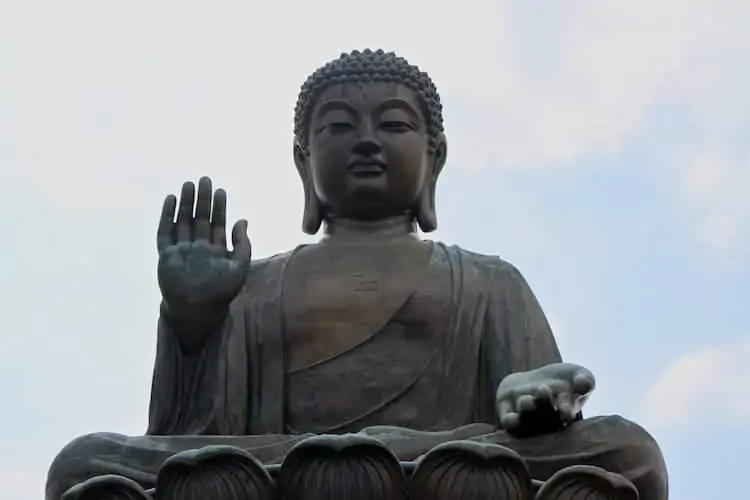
<point x="237" y="385"/>
<point x="237" y="389"/>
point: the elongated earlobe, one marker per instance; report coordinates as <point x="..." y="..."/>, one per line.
<point x="312" y="217"/>
<point x="426" y="213"/>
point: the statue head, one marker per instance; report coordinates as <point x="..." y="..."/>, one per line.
<point x="369" y="141"/>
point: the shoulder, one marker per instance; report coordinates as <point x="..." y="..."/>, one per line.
<point x="265" y="262"/>
<point x="489" y="273"/>
<point x="269" y="267"/>
<point x="491" y="266"/>
<point x="265" y="276"/>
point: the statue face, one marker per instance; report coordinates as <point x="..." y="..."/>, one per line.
<point x="368" y="150"/>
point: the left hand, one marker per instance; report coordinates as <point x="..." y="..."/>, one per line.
<point x="543" y="399"/>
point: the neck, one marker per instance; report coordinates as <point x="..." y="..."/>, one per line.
<point x="388" y="228"/>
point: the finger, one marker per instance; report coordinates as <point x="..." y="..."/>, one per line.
<point x="185" y="212"/>
<point x="242" y="249"/>
<point x="510" y="421"/>
<point x="219" y="218"/>
<point x="543" y="395"/>
<point x="203" y="210"/>
<point x="578" y="402"/>
<point x="564" y="406"/>
<point x="164" y="234"/>
<point x="525" y="403"/>
<point x="583" y="382"/>
<point x="504" y="407"/>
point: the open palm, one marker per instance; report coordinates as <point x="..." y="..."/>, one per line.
<point x="196" y="269"/>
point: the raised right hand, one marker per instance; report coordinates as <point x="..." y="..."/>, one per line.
<point x="197" y="274"/>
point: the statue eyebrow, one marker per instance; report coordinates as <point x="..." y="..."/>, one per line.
<point x="335" y="104"/>
<point x="343" y="105"/>
<point x="399" y="104"/>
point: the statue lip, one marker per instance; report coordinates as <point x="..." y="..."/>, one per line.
<point x="367" y="167"/>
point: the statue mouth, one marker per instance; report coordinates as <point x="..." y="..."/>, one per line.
<point x="367" y="167"/>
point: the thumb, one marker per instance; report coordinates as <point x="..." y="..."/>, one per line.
<point x="583" y="382"/>
<point x="242" y="250"/>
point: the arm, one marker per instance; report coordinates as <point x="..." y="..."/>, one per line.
<point x="188" y="387"/>
<point x="199" y="278"/>
<point x="517" y="336"/>
<point x="527" y="330"/>
<point x="234" y="384"/>
<point x="194" y="328"/>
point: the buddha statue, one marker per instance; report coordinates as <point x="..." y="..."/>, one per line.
<point x="419" y="353"/>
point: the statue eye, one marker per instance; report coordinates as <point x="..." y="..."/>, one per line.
<point x="339" y="127"/>
<point x="396" y="126"/>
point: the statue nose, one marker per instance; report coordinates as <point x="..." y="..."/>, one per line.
<point x="367" y="144"/>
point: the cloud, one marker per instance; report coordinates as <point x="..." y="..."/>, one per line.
<point x="707" y="384"/>
<point x="715" y="190"/>
<point x="608" y="64"/>
<point x="21" y="483"/>
<point x="714" y="185"/>
<point x="217" y="66"/>
<point x="704" y="177"/>
<point x="711" y="162"/>
<point x="718" y="231"/>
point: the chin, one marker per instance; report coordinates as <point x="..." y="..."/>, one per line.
<point x="370" y="194"/>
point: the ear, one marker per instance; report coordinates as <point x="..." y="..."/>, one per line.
<point x="312" y="216"/>
<point x="426" y="215"/>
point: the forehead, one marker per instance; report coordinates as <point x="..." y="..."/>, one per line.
<point x="368" y="95"/>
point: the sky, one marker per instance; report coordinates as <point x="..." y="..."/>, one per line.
<point x="600" y="146"/>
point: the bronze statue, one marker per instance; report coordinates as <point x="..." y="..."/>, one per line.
<point x="370" y="333"/>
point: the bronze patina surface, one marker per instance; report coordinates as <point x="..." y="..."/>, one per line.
<point x="372" y="364"/>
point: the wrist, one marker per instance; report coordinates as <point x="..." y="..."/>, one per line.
<point x="193" y="325"/>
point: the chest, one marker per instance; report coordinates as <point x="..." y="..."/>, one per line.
<point x="338" y="297"/>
